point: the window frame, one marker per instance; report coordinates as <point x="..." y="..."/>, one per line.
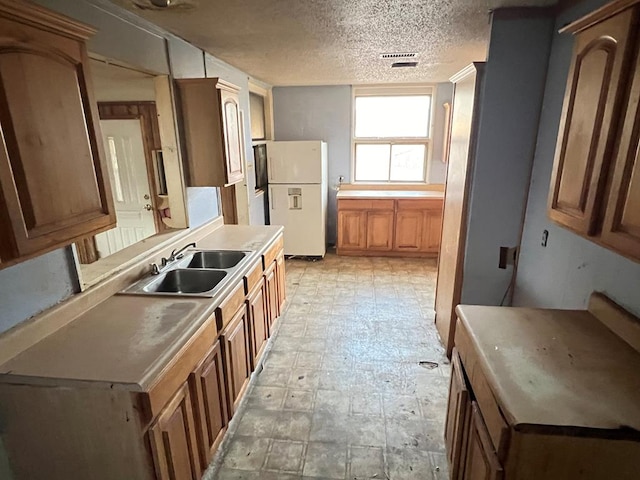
<point x="394" y="91"/>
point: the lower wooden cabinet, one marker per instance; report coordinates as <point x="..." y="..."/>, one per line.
<point x="210" y="403"/>
<point x="258" y="322"/>
<point x="379" y="230"/>
<point x="271" y="285"/>
<point x="235" y="345"/>
<point x="481" y="461"/>
<point x="352" y="230"/>
<point x="396" y="227"/>
<point x="282" y="284"/>
<point x="457" y="419"/>
<point x="173" y="440"/>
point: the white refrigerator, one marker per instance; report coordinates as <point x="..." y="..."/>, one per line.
<point x="298" y="195"/>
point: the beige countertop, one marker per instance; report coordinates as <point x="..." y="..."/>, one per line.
<point x="417" y="194"/>
<point x="556" y="367"/>
<point x="126" y="341"/>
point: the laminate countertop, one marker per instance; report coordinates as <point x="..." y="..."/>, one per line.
<point x="409" y="194"/>
<point x="126" y="341"/>
<point x="556" y="368"/>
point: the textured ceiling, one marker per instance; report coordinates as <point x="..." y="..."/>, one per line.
<point x="324" y="42"/>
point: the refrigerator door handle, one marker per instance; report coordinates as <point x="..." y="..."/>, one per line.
<point x="272" y="199"/>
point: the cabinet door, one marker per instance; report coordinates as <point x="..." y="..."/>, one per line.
<point x="53" y="179"/>
<point x="432" y="231"/>
<point x="236" y="355"/>
<point x="173" y="440"/>
<point x="457" y="419"/>
<point x="481" y="462"/>
<point x="588" y="127"/>
<point x="280" y="274"/>
<point x="232" y="137"/>
<point x="379" y="230"/>
<point x="621" y="229"/>
<point x="409" y="230"/>
<point x="258" y="322"/>
<point x="210" y="403"/>
<point x="271" y="285"/>
<point x="352" y="230"/>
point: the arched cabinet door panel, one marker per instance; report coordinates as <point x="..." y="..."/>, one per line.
<point x="53" y="180"/>
<point x="592" y="108"/>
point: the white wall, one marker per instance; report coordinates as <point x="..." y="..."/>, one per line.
<point x="318" y="113"/>
<point x="510" y="107"/>
<point x="564" y="274"/>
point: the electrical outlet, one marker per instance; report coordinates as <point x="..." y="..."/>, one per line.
<point x="507" y="256"/>
<point x="545" y="238"/>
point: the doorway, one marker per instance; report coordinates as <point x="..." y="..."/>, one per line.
<point x="128" y="133"/>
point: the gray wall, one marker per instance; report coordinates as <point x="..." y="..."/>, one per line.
<point x="28" y="288"/>
<point x="564" y="274"/>
<point x="512" y="94"/>
<point x="318" y="113"/>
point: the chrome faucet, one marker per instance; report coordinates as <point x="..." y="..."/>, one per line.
<point x="164" y="262"/>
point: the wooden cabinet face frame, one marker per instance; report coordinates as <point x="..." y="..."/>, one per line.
<point x="53" y="176"/>
<point x="271" y="286"/>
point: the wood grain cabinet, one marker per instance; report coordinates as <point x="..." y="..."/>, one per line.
<point x="54" y="185"/>
<point x="173" y="440"/>
<point x="594" y="188"/>
<point x="271" y="288"/>
<point x="526" y="399"/>
<point x="211" y="128"/>
<point x="352" y="230"/>
<point x="258" y="321"/>
<point x="458" y="413"/>
<point x="209" y="393"/>
<point x="235" y="344"/>
<point x="395" y="227"/>
<point x="281" y="278"/>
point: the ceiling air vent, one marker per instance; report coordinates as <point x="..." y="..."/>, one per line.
<point x="397" y="55"/>
<point x="404" y="64"/>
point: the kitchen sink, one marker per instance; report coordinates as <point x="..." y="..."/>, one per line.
<point x="222" y="259"/>
<point x="186" y="281"/>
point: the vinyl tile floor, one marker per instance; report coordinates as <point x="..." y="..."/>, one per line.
<point x="347" y="390"/>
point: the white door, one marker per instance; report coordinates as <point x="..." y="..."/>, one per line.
<point x="301" y="208"/>
<point x="296" y="162"/>
<point x="124" y="149"/>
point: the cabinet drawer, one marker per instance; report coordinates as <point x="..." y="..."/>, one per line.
<point x="366" y="204"/>
<point x="271" y="254"/>
<point x="254" y="276"/>
<point x="230" y="305"/>
<point x="420" y="204"/>
<point x="495" y="422"/>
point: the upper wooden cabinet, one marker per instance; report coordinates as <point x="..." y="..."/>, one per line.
<point x="53" y="183"/>
<point x="211" y="131"/>
<point x="594" y="185"/>
<point x="621" y="229"/>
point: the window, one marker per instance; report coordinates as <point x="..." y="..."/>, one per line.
<point x="391" y="134"/>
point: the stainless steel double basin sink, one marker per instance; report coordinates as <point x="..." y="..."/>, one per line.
<point x="197" y="273"/>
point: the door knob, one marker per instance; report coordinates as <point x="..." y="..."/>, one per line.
<point x="146" y="196"/>
<point x="148" y="207"/>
